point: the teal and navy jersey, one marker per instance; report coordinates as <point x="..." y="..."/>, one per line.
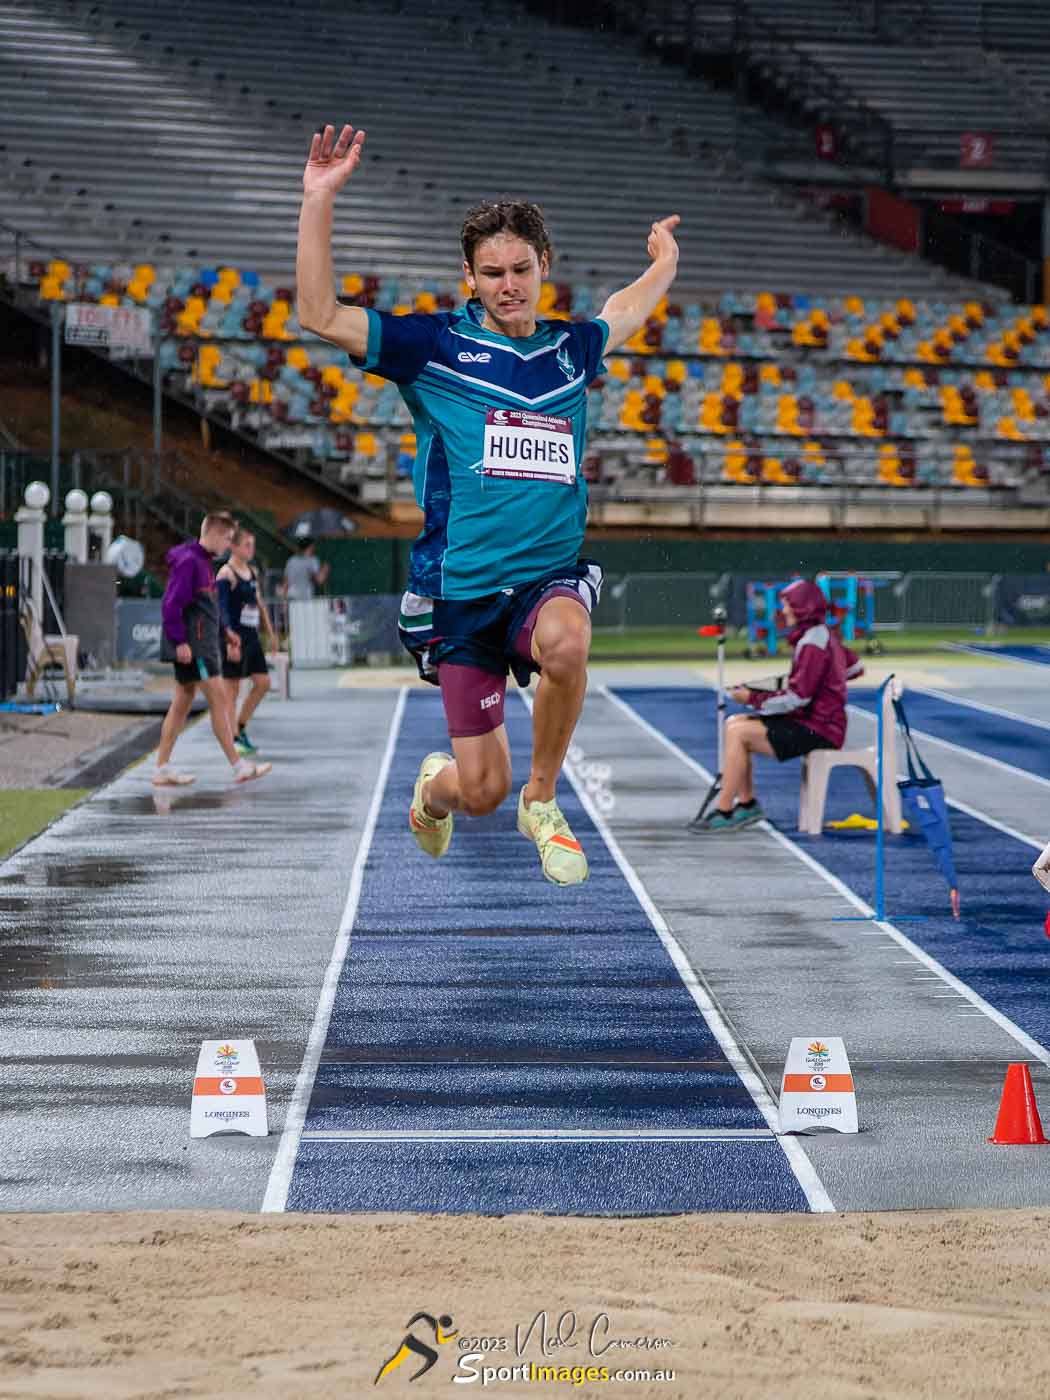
<point x="500" y="429"/>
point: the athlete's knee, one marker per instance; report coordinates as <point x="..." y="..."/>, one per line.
<point x="564" y="656"/>
<point x="482" y="793"/>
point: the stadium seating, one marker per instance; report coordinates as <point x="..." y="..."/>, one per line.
<point x="102" y="98"/>
<point x="743" y="388"/>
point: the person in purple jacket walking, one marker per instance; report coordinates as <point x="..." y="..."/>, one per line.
<point x="807" y="713"/>
<point x="190" y="639"/>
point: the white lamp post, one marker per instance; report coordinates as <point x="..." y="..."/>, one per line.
<point x="75" y="521"/>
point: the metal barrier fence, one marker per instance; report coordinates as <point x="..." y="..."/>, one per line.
<point x="912" y="600"/>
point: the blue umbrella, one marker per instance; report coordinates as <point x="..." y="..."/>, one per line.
<point x="923" y="802"/>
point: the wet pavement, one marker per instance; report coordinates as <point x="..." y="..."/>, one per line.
<point x="145" y="922"/>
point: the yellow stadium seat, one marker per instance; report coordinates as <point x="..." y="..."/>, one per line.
<point x="619" y="368"/>
<point x="407" y="443"/>
<point x="352" y="284"/>
<point x="787" y="415"/>
<point x="655" y="452"/>
<point x="853" y="306"/>
<point x="221" y="294"/>
<point x="208" y="360"/>
<point x="769" y="374"/>
<point x="229" y="277"/>
<point x="734" y="466"/>
<point x="261" y="391"/>
<point x="58" y="268"/>
<point x="402" y="309"/>
<point x="52" y="289"/>
<point x="842" y="390"/>
<point x="426" y="302"/>
<point x="677" y="371"/>
<point x="330" y="374"/>
<point x="375" y="380"/>
<point x="548" y="296"/>
<point x="654" y="385"/>
<point x="365" y="445"/>
<point x="298" y="358"/>
<point x="109" y="299"/>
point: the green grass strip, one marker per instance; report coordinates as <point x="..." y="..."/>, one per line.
<point x="24" y="812"/>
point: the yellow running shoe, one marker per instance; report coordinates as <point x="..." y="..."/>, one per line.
<point x="432" y="833"/>
<point x="561" y="855"/>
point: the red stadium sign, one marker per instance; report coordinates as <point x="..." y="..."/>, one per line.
<point x="976" y="150"/>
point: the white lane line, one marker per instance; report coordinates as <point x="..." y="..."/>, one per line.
<point x="284" y="1162"/>
<point x="995" y="655"/>
<point x="961" y="749"/>
<point x="980" y="705"/>
<point x="1037" y="1051"/>
<point x="805" y="1173"/>
<point x="543" y="1135"/>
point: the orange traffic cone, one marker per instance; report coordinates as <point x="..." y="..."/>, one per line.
<point x="1018" y="1120"/>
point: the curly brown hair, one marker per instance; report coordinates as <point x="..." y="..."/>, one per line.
<point x="517" y="216"/>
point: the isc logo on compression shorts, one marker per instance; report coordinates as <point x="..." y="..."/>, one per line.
<point x="489" y="700"/>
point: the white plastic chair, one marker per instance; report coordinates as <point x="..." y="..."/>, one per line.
<point x="817" y="766"/>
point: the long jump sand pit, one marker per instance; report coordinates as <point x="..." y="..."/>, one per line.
<point x="159" y="1305"/>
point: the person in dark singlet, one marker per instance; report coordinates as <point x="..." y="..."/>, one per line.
<point x="242" y="609"/>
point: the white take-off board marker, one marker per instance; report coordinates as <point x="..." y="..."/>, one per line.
<point x="228" y="1091"/>
<point x="817" y="1088"/>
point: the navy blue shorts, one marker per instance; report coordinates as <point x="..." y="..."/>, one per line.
<point x="484" y="633"/>
<point x="253" y="658"/>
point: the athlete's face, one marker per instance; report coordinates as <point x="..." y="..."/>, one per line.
<point x="217" y="540"/>
<point x="789" y="613"/>
<point x="507" y="276"/>
<point x="244" y="549"/>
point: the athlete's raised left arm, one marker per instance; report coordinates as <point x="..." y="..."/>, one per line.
<point x="627" y="310"/>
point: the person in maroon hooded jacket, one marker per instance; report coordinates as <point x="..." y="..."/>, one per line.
<point x="190" y="639"/>
<point x="807" y="713"/>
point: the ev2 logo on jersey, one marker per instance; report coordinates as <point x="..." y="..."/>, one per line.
<point x="471" y="357"/>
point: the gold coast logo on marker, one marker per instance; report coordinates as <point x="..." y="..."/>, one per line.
<point x="817" y="1047"/>
<point x="226" y="1058"/>
<point x="411" y="1346"/>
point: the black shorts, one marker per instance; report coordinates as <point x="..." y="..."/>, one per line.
<point x="201" y="668"/>
<point x="253" y="658"/>
<point x="789" y="739"/>
<point x="484" y="633"/>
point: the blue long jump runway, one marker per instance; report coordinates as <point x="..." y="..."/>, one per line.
<point x="1017" y="742"/>
<point x="998" y="947"/>
<point x="1034" y="653"/>
<point x="497" y="1044"/>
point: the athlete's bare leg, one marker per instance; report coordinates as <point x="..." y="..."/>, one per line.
<point x="252" y="701"/>
<point x="745" y="735"/>
<point x="477" y="781"/>
<point x="175" y="719"/>
<point x="219" y="708"/>
<point x="232" y="690"/>
<point x="561" y="642"/>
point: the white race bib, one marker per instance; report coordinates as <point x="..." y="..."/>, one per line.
<point x="529" y="447"/>
<point x="250" y="616"/>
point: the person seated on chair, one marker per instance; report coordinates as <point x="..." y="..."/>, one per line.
<point x="808" y="712"/>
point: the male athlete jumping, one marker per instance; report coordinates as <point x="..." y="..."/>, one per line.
<point x="499" y="403"/>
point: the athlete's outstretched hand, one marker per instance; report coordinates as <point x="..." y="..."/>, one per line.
<point x="332" y="162"/>
<point x="662" y="245"/>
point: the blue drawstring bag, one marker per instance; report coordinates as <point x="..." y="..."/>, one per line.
<point x="923" y="804"/>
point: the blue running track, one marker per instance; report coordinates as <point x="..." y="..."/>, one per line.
<point x="1014" y="741"/>
<point x="998" y="947"/>
<point x="1035" y="653"/>
<point x="478" y="999"/>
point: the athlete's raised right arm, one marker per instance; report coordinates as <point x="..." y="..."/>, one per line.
<point x="330" y="165"/>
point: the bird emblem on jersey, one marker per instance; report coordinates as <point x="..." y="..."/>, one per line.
<point x="565" y="363"/>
